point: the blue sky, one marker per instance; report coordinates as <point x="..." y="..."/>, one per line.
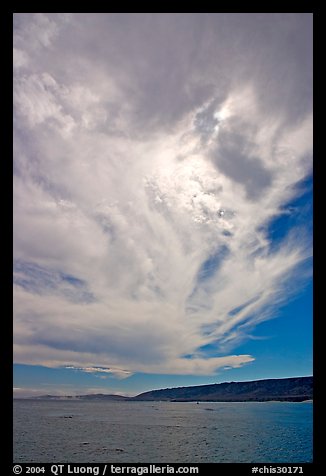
<point x="162" y="200"/>
<point x="281" y="348"/>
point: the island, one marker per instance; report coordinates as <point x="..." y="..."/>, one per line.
<point x="294" y="389"/>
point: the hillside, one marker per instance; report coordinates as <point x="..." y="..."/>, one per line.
<point x="296" y="389"/>
<point x="288" y="389"/>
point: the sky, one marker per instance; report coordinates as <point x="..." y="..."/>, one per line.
<point x="162" y="200"/>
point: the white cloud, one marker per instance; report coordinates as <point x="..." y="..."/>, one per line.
<point x="20" y="58"/>
<point x="37" y="31"/>
<point x="35" y="99"/>
<point x="138" y="232"/>
<point x="119" y="373"/>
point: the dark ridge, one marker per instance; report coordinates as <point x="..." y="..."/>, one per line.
<point x="295" y="389"/>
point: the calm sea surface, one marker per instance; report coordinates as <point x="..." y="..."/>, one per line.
<point x="161" y="432"/>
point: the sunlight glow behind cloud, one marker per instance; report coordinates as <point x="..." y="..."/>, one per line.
<point x="142" y="198"/>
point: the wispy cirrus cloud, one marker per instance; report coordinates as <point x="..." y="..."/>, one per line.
<point x="148" y="167"/>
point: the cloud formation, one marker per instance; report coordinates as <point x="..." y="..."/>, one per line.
<point x="151" y="153"/>
<point x="102" y="370"/>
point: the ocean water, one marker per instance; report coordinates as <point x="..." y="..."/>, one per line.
<point x="161" y="432"/>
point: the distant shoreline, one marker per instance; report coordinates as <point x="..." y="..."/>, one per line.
<point x="131" y="400"/>
<point x="294" y="389"/>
